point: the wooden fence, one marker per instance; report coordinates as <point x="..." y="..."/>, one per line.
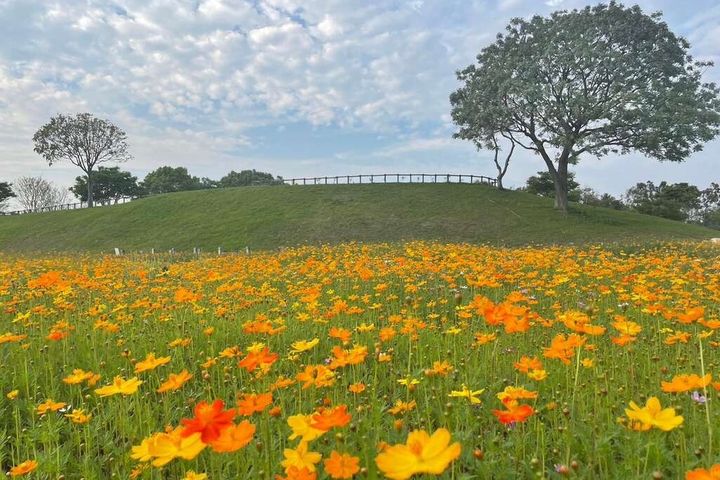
<point x="332" y="180"/>
<point x="71" y="206"/>
<point x="392" y="178"/>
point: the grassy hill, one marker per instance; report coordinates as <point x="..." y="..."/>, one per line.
<point x="269" y="217"/>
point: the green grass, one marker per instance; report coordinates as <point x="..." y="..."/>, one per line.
<point x="271" y="217"/>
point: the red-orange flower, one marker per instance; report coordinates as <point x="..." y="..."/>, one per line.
<point x="328" y="418"/>
<point x="516" y="413"/>
<point x="210" y="420"/>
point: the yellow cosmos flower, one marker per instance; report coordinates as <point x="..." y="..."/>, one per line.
<point x="300" y="458"/>
<point x="150" y="363"/>
<point x="653" y="415"/>
<point x="467" y="393"/>
<point x="422" y="453"/>
<point x="79" y="416"/>
<point x="304" y="345"/>
<point x="191" y="475"/>
<point x="120" y="385"/>
<point x="162" y="448"/>
<point x="12" y="395"/>
<point x="301" y="428"/>
<point x="537" y="375"/>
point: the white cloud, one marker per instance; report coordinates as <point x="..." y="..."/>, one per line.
<point x="191" y="81"/>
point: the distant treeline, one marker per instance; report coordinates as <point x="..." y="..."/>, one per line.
<point x="109" y="183"/>
<point x="676" y="201"/>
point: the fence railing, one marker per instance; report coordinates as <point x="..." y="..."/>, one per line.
<point x="71" y="206"/>
<point x="392" y="178"/>
<point x="329" y="180"/>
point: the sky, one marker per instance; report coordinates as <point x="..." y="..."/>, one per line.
<point x="293" y="87"/>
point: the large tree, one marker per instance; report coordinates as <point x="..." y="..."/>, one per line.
<point x="604" y="79"/>
<point x="109" y="184"/>
<point x="6" y="193"/>
<point x="84" y="140"/>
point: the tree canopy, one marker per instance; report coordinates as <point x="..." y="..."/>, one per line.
<point x="542" y="184"/>
<point x="248" y="177"/>
<point x="676" y="201"/>
<point x="600" y="80"/>
<point x="170" y="179"/>
<point x="6" y="193"/>
<point x="108" y="184"/>
<point x="84" y="140"/>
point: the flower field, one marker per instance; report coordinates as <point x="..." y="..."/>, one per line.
<point x="393" y="361"/>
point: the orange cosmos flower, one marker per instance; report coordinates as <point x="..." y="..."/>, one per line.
<point x="183" y="295"/>
<point x="49" y="406"/>
<point x="11" y="338"/>
<point x="23" y="469"/>
<point x="691" y="315"/>
<point x="422" y="453"/>
<point x="262" y="359"/>
<point x="295" y="473"/>
<point x="316" y="375"/>
<point x="341" y="465"/>
<point x="341" y="334"/>
<point x="254" y="403"/>
<point x="175" y="381"/>
<point x="356" y="388"/>
<point x="515" y="393"/>
<point x="526" y="364"/>
<point x="234" y="437"/>
<point x="713" y="473"/>
<point x="328" y="418"/>
<point x="563" y="347"/>
<point x="677" y="337"/>
<point x="210" y="420"/>
<point x="685" y="383"/>
<point x="386" y="334"/>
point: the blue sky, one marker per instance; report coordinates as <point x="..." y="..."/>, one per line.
<point x="294" y="87"/>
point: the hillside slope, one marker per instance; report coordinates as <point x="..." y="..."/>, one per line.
<point x="270" y="217"/>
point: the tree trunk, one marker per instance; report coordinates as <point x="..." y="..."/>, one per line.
<point x="90" y="192"/>
<point x="561" y="185"/>
<point x="499" y="181"/>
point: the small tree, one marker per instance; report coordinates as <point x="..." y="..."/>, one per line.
<point x="84" y="140"/>
<point x="109" y="184"/>
<point x="6" y="193"/>
<point x="676" y="201"/>
<point x="248" y="177"/>
<point x="168" y="179"/>
<point x="35" y="193"/>
<point x="588" y="196"/>
<point x="604" y="79"/>
<point x="708" y="213"/>
<point x="543" y="184"/>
